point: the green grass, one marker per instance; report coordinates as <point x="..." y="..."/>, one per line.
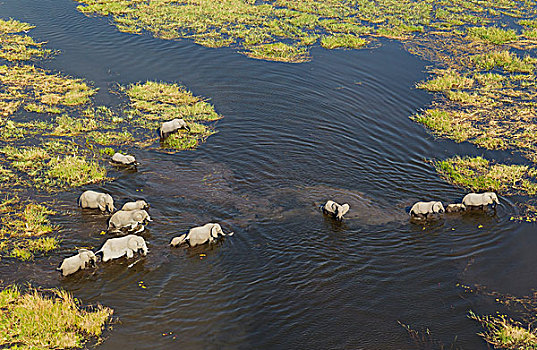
<point x="446" y="123"/>
<point x="278" y="52"/>
<point x="505" y="333"/>
<point x="32" y="320"/>
<point x="479" y="174"/>
<point x="493" y="35"/>
<point x="74" y="171"/>
<point x="16" y="47"/>
<point x="348" y="41"/>
<point x="510" y="62"/>
<point x="447" y="80"/>
<point x="110" y="138"/>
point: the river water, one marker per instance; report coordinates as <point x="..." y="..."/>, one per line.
<point x="292" y="136"/>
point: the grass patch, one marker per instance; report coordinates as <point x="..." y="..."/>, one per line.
<point x="478" y="174"/>
<point x="18" y="47"/>
<point x="447" y="80"/>
<point x="74" y="171"/>
<point x="19" y="226"/>
<point x="32" y="320"/>
<point x="504" y="333"/>
<point x="110" y="138"/>
<point x="347" y="41"/>
<point x="188" y="140"/>
<point x="278" y="52"/>
<point x="446" y="123"/>
<point x="493" y="35"/>
<point x="154" y="102"/>
<point x="510" y="62"/>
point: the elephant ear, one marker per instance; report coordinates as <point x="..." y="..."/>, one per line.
<point x="133" y="243"/>
<point x="137" y="216"/>
<point x="101" y="202"/>
<point x="214" y="231"/>
<point x="344" y="209"/>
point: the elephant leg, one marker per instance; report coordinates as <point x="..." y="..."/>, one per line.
<point x="142" y="227"/>
<point x="130" y="253"/>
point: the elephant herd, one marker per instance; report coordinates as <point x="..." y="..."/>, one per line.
<point x="424" y="210"/>
<point x="132" y="217"/>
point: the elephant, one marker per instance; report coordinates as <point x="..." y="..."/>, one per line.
<point x="455" y="208"/>
<point x="82" y="260"/>
<point x="423" y="209"/>
<point x="128" y="219"/>
<point x="169" y="127"/>
<point x="480" y="199"/>
<point x="94" y="200"/>
<point x="122" y="159"/>
<point x="337" y="210"/>
<point x="200" y="235"/>
<point x="138" y="205"/>
<point x="115" y="248"/>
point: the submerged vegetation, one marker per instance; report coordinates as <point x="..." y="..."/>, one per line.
<point x="55" y="320"/>
<point x="25" y="229"/>
<point x="479" y="174"/>
<point x="70" y="132"/>
<point x="501" y="331"/>
<point x="484" y="77"/>
<point x="284" y="30"/>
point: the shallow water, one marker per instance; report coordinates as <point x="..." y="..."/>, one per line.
<point x="292" y="137"/>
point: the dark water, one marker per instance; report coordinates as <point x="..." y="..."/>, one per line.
<point x="292" y="137"/>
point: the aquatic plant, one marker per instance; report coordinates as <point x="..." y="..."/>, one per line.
<point x="153" y="102"/>
<point x="21" y="224"/>
<point x="33" y="320"/>
<point x="479" y="174"/>
<point x="500" y="330"/>
<point x="274" y="30"/>
<point x="18" y="47"/>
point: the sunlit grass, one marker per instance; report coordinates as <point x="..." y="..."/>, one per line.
<point x="32" y="320"/>
<point x="478" y="174"/>
<point x="347" y="41"/>
<point x="74" y="171"/>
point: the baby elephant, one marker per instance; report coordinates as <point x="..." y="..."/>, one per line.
<point x="200" y="235"/>
<point x="169" y="127"/>
<point x="455" y="208"/>
<point x="423" y="209"/>
<point x="115" y="248"/>
<point x="138" y="205"/>
<point x="82" y="260"/>
<point x="337" y="210"/>
<point x="121" y="159"/>
<point x="480" y="199"/>
<point x="96" y="200"/>
<point x="128" y="219"/>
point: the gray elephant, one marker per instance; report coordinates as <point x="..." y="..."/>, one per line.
<point x="480" y="200"/>
<point x="96" y="200"/>
<point x="82" y="260"/>
<point x="122" y="159"/>
<point x="138" y="205"/>
<point x="200" y="235"/>
<point x="335" y="209"/>
<point x="424" y="209"/>
<point x="169" y="127"/>
<point x="128" y="245"/>
<point x="455" y="208"/>
<point x="129" y="220"/>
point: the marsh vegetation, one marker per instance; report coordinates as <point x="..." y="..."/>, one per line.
<point x="51" y="320"/>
